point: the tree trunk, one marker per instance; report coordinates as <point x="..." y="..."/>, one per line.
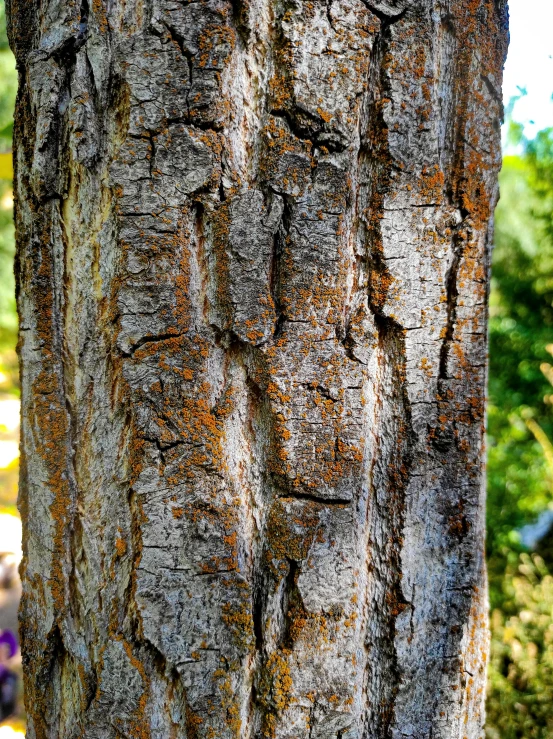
<point x="253" y="262"/>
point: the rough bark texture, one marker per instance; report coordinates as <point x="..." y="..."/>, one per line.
<point x="253" y="259"/>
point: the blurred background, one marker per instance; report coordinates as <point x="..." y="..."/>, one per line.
<point x="10" y="526"/>
<point x="520" y="414"/>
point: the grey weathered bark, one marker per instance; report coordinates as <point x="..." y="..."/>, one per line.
<point x="253" y="261"/>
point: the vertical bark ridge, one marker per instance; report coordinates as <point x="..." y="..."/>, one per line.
<point x="253" y="250"/>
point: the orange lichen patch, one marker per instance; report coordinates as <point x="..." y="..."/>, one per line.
<point x="193" y="723"/>
<point x="199" y="421"/>
<point x="215" y="43"/>
<point x="431" y="185"/>
<point x="229" y="701"/>
<point x="426" y="367"/>
<point x="298" y="622"/>
<point x="276" y="394"/>
<point x="275" y="689"/>
<point x="280" y="84"/>
<point x="324" y="115"/>
<point x="53" y="425"/>
<point x="279" y="144"/>
<point x="120" y="546"/>
<point x="474" y="18"/>
<point x="281" y="681"/>
<point x="100" y="15"/>
<point x="458" y="523"/>
<point x="239" y="619"/>
<point x="381" y="282"/>
<point x="291" y="530"/>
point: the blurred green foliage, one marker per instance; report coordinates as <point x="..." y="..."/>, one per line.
<point x="521" y="671"/>
<point x="8" y="318"/>
<point x="520" y="425"/>
<point x="521" y="328"/>
<point x="8" y="85"/>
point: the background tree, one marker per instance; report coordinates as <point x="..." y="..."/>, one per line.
<point x="253" y="255"/>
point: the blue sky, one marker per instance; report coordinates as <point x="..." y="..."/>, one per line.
<point x="530" y="63"/>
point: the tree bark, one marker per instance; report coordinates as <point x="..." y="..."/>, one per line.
<point x="253" y="262"/>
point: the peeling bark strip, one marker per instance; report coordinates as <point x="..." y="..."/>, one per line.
<point x="253" y="262"/>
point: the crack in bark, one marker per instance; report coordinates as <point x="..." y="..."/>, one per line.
<point x="179" y="41"/>
<point x="497" y="96"/>
<point x="452" y="295"/>
<point x="294" y="495"/>
<point x="152" y="339"/>
<point x="387" y="595"/>
<point x="275" y="268"/>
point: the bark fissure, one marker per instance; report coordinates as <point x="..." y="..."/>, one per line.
<point x="452" y="295"/>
